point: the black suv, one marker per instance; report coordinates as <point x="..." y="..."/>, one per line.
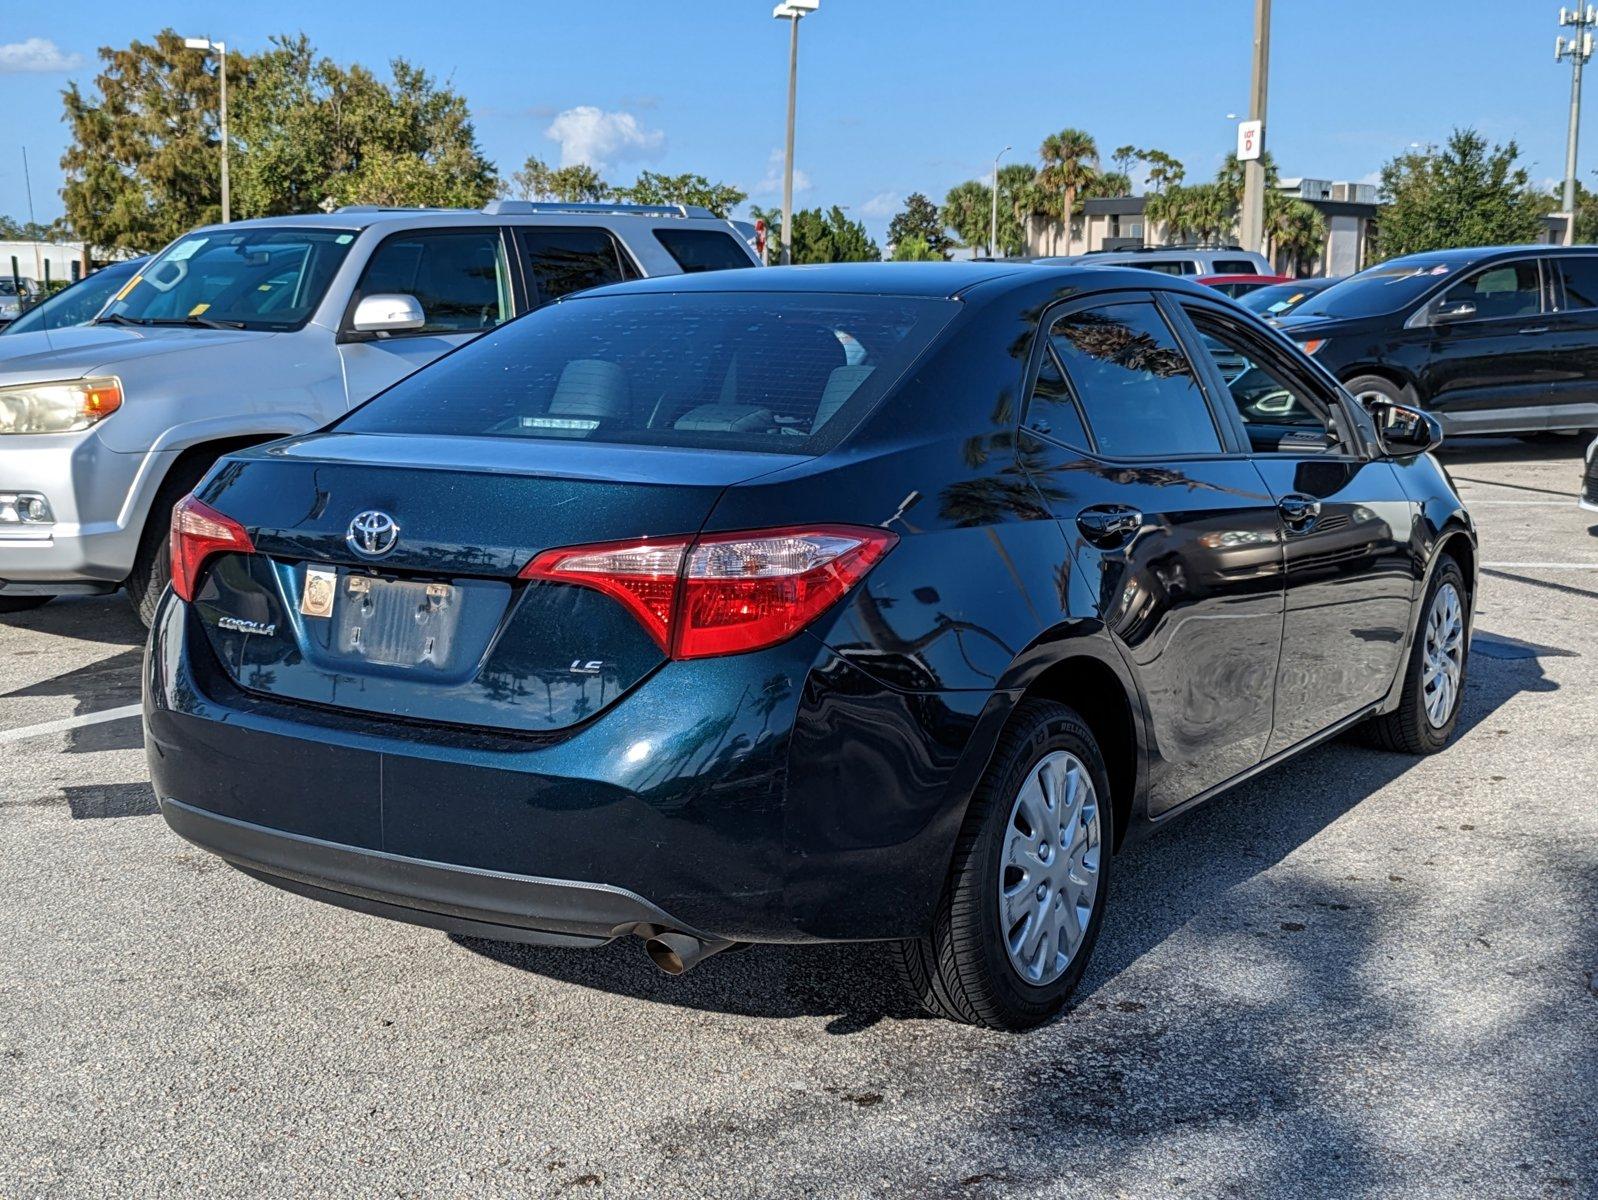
<point x="1497" y="340"/>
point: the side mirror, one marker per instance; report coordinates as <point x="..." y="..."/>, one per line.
<point x="388" y="312"/>
<point x="1404" y="432"/>
<point x="1446" y="312"/>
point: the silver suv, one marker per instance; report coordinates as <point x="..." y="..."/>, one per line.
<point x="1173" y="260"/>
<point x="243" y="333"/>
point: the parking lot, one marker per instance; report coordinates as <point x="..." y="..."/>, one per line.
<point x="1363" y="974"/>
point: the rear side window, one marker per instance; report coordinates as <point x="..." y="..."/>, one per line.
<point x="1168" y="266"/>
<point x="459" y="276"/>
<point x="696" y="250"/>
<point x="1235" y="266"/>
<point x="1137" y="388"/>
<point x="1581" y="281"/>
<point x="567" y="260"/>
<point x="713" y="370"/>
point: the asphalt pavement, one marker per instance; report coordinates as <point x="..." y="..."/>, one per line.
<point x="1362" y="975"/>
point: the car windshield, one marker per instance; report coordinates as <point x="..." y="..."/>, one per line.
<point x="76" y="304"/>
<point x="783" y="374"/>
<point x="245" y="279"/>
<point x="1380" y="289"/>
<point x="1277" y="299"/>
<point x="8" y="287"/>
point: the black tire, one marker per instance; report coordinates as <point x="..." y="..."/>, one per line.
<point x="1407" y="730"/>
<point x="152" y="566"/>
<point x="1386" y="388"/>
<point x="14" y="604"/>
<point x="963" y="970"/>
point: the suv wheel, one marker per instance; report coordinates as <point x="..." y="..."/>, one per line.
<point x="1434" y="678"/>
<point x="152" y="566"/>
<point x="1029" y="882"/>
<point x="1365" y="388"/>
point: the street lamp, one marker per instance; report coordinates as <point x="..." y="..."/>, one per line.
<point x="792" y="11"/>
<point x="993" y="225"/>
<point x="220" y="50"/>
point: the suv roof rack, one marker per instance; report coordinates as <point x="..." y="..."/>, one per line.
<point x="1163" y="249"/>
<point x="507" y="208"/>
<point x="398" y="208"/>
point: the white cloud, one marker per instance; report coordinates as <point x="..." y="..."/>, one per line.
<point x="602" y="139"/>
<point x="771" y="184"/>
<point x="36" y="56"/>
<point x="883" y="204"/>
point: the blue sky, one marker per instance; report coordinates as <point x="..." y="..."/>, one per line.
<point x="894" y="97"/>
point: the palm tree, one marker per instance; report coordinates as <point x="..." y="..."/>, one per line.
<point x="1070" y="160"/>
<point x="1297" y="231"/>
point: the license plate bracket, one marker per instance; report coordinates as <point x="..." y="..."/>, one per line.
<point x="396" y="622"/>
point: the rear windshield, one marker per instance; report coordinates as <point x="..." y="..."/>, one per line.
<point x="1380" y="289"/>
<point x="770" y="372"/>
<point x="1277" y="299"/>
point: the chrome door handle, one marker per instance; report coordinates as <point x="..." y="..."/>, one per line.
<point x="1109" y="525"/>
<point x="1299" y="512"/>
<point x="1533" y="329"/>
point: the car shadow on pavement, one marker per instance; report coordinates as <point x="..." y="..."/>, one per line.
<point x="108" y="619"/>
<point x="1159" y="886"/>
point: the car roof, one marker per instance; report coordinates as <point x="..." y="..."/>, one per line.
<point x="358" y="217"/>
<point x="948" y="280"/>
<point x="1465" y="255"/>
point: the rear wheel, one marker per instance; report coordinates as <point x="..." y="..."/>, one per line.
<point x="12" y="604"/>
<point x="152" y="566"/>
<point x="1029" y="881"/>
<point x="1434" y="679"/>
<point x="1366" y="388"/>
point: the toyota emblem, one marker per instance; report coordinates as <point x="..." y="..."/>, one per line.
<point x="372" y="534"/>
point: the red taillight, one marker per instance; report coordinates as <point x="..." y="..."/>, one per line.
<point x="199" y="531"/>
<point x="723" y="593"/>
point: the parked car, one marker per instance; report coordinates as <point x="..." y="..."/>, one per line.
<point x="1171" y="260"/>
<point x="75" y="305"/>
<point x="1497" y="340"/>
<point x="15" y="297"/>
<point x="1240" y="285"/>
<point x="1589" y="480"/>
<point x="242" y="333"/>
<point x="1278" y="299"/>
<point x="748" y="607"/>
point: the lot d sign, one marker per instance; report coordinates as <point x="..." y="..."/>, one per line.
<point x="1249" y="137"/>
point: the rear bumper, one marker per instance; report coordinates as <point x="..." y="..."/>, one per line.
<point x="490" y="904"/>
<point x="827" y="813"/>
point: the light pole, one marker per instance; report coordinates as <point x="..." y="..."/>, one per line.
<point x="220" y="50"/>
<point x="993" y="224"/>
<point x="793" y="12"/>
<point x="1253" y="215"/>
<point x="1578" y="49"/>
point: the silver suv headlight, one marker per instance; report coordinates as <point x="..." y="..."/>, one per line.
<point x="58" y="407"/>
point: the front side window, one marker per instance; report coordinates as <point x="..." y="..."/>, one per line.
<point x="458" y="276"/>
<point x="1507" y="290"/>
<point x="712" y="370"/>
<point x="1277" y="413"/>
<point x="566" y="259"/>
<point x="1137" y="388"/>
<point x="250" y="279"/>
<point x="1236" y="266"/>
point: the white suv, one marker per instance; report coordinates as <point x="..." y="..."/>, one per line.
<point x="244" y="333"/>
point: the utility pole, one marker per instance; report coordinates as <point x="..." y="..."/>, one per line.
<point x="1252" y="222"/>
<point x="993" y="225"/>
<point x="220" y="50"/>
<point x="1578" y="49"/>
<point x="27" y="182"/>
<point x="791" y="11"/>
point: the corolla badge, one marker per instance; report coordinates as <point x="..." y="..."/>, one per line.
<point x="372" y="534"/>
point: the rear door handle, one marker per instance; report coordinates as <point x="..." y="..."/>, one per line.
<point x="1109" y="525"/>
<point x="1530" y="330"/>
<point x="1299" y="512"/>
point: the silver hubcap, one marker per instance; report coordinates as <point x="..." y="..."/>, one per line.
<point x="1049" y="867"/>
<point x="1444" y="664"/>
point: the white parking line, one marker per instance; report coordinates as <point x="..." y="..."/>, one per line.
<point x="65" y="723"/>
<point x="1542" y="566"/>
<point x="1521" y="503"/>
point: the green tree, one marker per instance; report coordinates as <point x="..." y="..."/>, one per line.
<point x="1586" y="210"/>
<point x="912" y="247"/>
<point x="1466" y="194"/>
<point x="531" y="182"/>
<point x="966" y="211"/>
<point x="819" y="237"/>
<point x="578" y="183"/>
<point x="1019" y="197"/>
<point x="1070" y="161"/>
<point x="920" y="221"/>
<point x="1164" y="171"/>
<point x="143" y="165"/>
<point x="654" y="188"/>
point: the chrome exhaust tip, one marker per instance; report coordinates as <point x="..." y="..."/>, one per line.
<point x="678" y="953"/>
